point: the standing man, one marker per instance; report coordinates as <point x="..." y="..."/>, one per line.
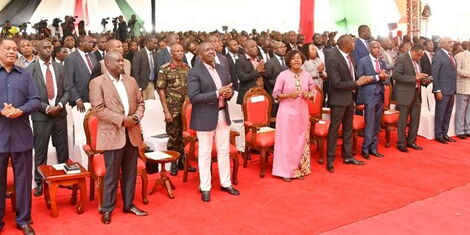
<point x="291" y="41"/>
<point x="51" y="118"/>
<point x="462" y="109"/>
<point x="101" y="43"/>
<point x="273" y="68"/>
<point x="19" y="98"/>
<point x="444" y="74"/>
<point x="232" y="57"/>
<point x="408" y="80"/>
<point x="209" y="89"/>
<point x="164" y="55"/>
<point x="78" y="67"/>
<point x="100" y="68"/>
<point x="341" y="74"/>
<point x="372" y="96"/>
<point x="69" y="43"/>
<point x="172" y="89"/>
<point x="118" y="104"/>
<point x="144" y="69"/>
<point x="122" y="29"/>
<point x="250" y="70"/>
<point x="362" y="43"/>
<point x="426" y="59"/>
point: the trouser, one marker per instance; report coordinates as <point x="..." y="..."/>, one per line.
<point x="414" y="111"/>
<point x="57" y="127"/>
<point x="442" y="115"/>
<point x="174" y="130"/>
<point x="340" y="115"/>
<point x="222" y="140"/>
<point x="462" y="114"/>
<point x="22" y="163"/>
<point x="373" y="116"/>
<point x="149" y="92"/>
<point x="121" y="161"/>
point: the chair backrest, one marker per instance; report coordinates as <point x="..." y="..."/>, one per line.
<point x="77" y="118"/>
<point x="153" y="122"/>
<point x="387" y="96"/>
<point x="186" y="116"/>
<point x="257" y="107"/>
<point x="90" y="125"/>
<point x="315" y="106"/>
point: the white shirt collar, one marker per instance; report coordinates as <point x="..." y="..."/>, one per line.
<point x="42" y="62"/>
<point x="113" y="78"/>
<point x="82" y="53"/>
<point x="447" y="53"/>
<point x="344" y="54"/>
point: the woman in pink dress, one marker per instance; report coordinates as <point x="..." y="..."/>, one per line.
<point x="291" y="149"/>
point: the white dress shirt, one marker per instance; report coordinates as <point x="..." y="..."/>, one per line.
<point x="189" y="56"/>
<point x="121" y="89"/>
<point x="429" y="56"/>
<point x="43" y="71"/>
<point x="345" y="56"/>
<point x="82" y="54"/>
<point x="321" y="54"/>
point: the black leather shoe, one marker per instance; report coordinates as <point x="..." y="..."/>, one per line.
<point x="441" y="140"/>
<point x="106" y="217"/>
<point x="191" y="169"/>
<point x="136" y="211"/>
<point x="449" y="139"/>
<point x="468" y="135"/>
<point x="38" y="191"/>
<point x="206" y="196"/>
<point x="462" y="137"/>
<point x="402" y="149"/>
<point x="365" y="155"/>
<point x="26" y="229"/>
<point x="414" y="146"/>
<point x="330" y="166"/>
<point x="174" y="169"/>
<point x="376" y="153"/>
<point x="353" y="161"/>
<point x="231" y="190"/>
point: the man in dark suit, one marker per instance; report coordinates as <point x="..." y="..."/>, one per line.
<point x="209" y="89"/>
<point x="144" y="68"/>
<point x="250" y="70"/>
<point x="164" y="55"/>
<point x="372" y="96"/>
<point x="362" y="43"/>
<point x="232" y="57"/>
<point x="122" y="29"/>
<point x="273" y="68"/>
<point x="119" y="107"/>
<point x="444" y="74"/>
<point x="426" y="59"/>
<point x="51" y="118"/>
<point x="78" y="67"/>
<point x="341" y="74"/>
<point x="101" y="43"/>
<point x="408" y="80"/>
<point x="19" y="98"/>
<point x="291" y="41"/>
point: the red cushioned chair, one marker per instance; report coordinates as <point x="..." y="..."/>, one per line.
<point x="192" y="145"/>
<point x="96" y="165"/>
<point x="318" y="131"/>
<point x="257" y="113"/>
<point x="390" y="117"/>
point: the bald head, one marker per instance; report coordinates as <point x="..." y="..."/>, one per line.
<point x="172" y="38"/>
<point x="114" y="45"/>
<point x="251" y="48"/>
<point x="114" y="63"/>
<point x="207" y="52"/>
<point x="177" y="52"/>
<point x="346" y="43"/>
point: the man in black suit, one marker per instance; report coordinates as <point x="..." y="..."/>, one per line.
<point x="408" y="80"/>
<point x="341" y="74"/>
<point x="101" y="43"/>
<point x="426" y="59"/>
<point x="291" y="41"/>
<point x="122" y="29"/>
<point x="144" y="68"/>
<point x="262" y="53"/>
<point x="250" y="70"/>
<point x="232" y="57"/>
<point x="272" y="69"/>
<point x="51" y="119"/>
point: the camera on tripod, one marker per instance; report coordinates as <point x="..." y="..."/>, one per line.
<point x="56" y="22"/>
<point x="104" y="21"/>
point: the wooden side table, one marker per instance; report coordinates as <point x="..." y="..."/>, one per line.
<point x="164" y="181"/>
<point x="54" y="178"/>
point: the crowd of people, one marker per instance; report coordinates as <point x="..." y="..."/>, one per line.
<point x="38" y="78"/>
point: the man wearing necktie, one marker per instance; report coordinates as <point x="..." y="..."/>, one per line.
<point x="144" y="68"/>
<point x="372" y="96"/>
<point x="361" y="49"/>
<point x="274" y="67"/>
<point x="444" y="74"/>
<point x="232" y="57"/>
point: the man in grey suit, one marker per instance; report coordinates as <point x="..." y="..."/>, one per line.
<point x="408" y="82"/>
<point x="78" y="67"/>
<point x="51" y="119"/>
<point x="209" y="88"/>
<point x="444" y="74"/>
<point x="272" y="69"/>
<point x="143" y="68"/>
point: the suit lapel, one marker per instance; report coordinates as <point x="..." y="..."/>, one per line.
<point x="38" y="71"/>
<point x="207" y="74"/>
<point x="109" y="83"/>
<point x="220" y="70"/>
<point x="58" y="80"/>
<point x="343" y="61"/>
<point x="410" y="62"/>
<point x="82" y="62"/>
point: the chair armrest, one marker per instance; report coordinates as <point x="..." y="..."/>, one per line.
<point x="142" y="155"/>
<point x="89" y="152"/>
<point x="233" y="134"/>
<point x="251" y="126"/>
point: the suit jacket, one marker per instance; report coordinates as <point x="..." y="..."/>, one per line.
<point x="360" y="50"/>
<point x="271" y="70"/>
<point x="140" y="68"/>
<point x="425" y="64"/>
<point x="405" y="80"/>
<point x="62" y="94"/>
<point x="78" y="76"/>
<point x="203" y="97"/>
<point x="463" y="72"/>
<point x="444" y="74"/>
<point x="233" y="70"/>
<point x="341" y="83"/>
<point x="247" y="76"/>
<point x="107" y="106"/>
<point x="98" y="55"/>
<point x="289" y="47"/>
<point x="366" y="93"/>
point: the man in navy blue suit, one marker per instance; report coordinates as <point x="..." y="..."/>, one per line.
<point x="361" y="48"/>
<point x="18" y="98"/>
<point x="372" y="96"/>
<point x="445" y="77"/>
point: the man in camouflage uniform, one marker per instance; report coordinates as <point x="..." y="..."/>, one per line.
<point x="172" y="89"/>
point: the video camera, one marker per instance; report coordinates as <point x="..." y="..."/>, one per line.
<point x="104" y="21"/>
<point x="39" y="26"/>
<point x="56" y="22"/>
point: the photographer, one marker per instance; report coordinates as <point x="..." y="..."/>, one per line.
<point x="122" y="29"/>
<point x="133" y="30"/>
<point x="56" y="30"/>
<point x="9" y="31"/>
<point x="68" y="26"/>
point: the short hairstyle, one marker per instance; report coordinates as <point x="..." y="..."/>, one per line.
<point x="305" y="49"/>
<point x="417" y="47"/>
<point x="56" y="51"/>
<point x="362" y="28"/>
<point x="426" y="42"/>
<point x="290" y="55"/>
<point x="148" y="39"/>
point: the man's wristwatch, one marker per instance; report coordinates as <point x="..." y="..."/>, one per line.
<point x="135" y="118"/>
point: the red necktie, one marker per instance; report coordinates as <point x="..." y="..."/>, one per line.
<point x="377" y="66"/>
<point x="452" y="60"/>
<point x="49" y="82"/>
<point x="88" y="61"/>
<point x="351" y="66"/>
<point x="418" y="82"/>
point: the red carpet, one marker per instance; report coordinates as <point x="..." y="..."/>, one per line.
<point x="321" y="202"/>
